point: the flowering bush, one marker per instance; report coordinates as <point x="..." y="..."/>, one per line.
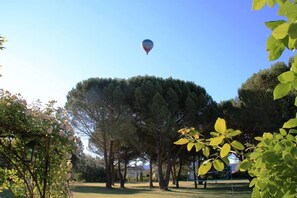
<point x="36" y="143"/>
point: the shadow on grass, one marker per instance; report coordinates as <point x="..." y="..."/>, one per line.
<point x="212" y="189"/>
<point x="6" y="194"/>
<point x="103" y="190"/>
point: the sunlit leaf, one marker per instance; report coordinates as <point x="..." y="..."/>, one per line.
<point x="273" y="24"/>
<point x="205" y="151"/>
<point x="267" y="135"/>
<point x="220" y="126"/>
<point x="281" y="90"/>
<point x="216" y="140"/>
<point x="181" y="141"/>
<point x="258" y="4"/>
<point x="290" y="123"/>
<point x="281" y="31"/>
<point x="225" y="150"/>
<point x="287" y="76"/>
<point x="245" y="165"/>
<point x="190" y="146"/>
<point x="283" y="132"/>
<point x="253" y="182"/>
<point x="237" y="145"/>
<point x="218" y="165"/>
<point x="233" y="133"/>
<point x="215" y="134"/>
<point x="204" y="168"/>
<point x="275" y="48"/>
<point x="258" y="138"/>
<point x="198" y="146"/>
<point x="271" y="3"/>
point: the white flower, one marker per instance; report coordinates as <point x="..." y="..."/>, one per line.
<point x="69" y="164"/>
<point x="28" y="112"/>
<point x="50" y="130"/>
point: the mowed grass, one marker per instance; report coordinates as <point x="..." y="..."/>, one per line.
<point x="235" y="188"/>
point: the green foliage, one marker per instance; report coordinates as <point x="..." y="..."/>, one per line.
<point x="220" y="144"/>
<point x="36" y="144"/>
<point x="2" y="40"/>
<point x="272" y="162"/>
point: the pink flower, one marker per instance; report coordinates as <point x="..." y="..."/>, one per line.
<point x="70" y="138"/>
<point x="61" y="133"/>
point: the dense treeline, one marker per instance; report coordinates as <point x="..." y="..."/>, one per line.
<point x="139" y="117"/>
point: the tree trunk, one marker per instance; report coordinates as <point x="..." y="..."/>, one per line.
<point x="194" y="170"/>
<point x="108" y="159"/>
<point x="179" y="171"/>
<point x="122" y="181"/>
<point x="151" y="174"/>
<point x="173" y="171"/>
<point x="163" y="179"/>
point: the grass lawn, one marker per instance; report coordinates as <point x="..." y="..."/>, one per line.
<point x="141" y="190"/>
<point x="219" y="189"/>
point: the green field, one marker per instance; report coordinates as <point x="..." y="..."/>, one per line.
<point x="236" y="188"/>
<point x="220" y="189"/>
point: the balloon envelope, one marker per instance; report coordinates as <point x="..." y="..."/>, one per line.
<point x="147" y="45"/>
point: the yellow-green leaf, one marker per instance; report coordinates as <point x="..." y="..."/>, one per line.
<point x="287" y="76"/>
<point x="226" y="160"/>
<point x="253" y="182"/>
<point x="292" y="44"/>
<point x="225" y="150"/>
<point x="258" y="4"/>
<point x="283" y="132"/>
<point x="220" y="126"/>
<point x="205" y="151"/>
<point x="218" y="165"/>
<point x="281" y="31"/>
<point x="271" y="3"/>
<point x="275" y="48"/>
<point x="256" y="193"/>
<point x="216" y="140"/>
<point x="181" y="141"/>
<point x="290" y="123"/>
<point x="293" y="30"/>
<point x="198" y="146"/>
<point x="281" y="90"/>
<point x="244" y="165"/>
<point x="233" y="133"/>
<point x="294" y="83"/>
<point x="273" y="24"/>
<point x="267" y="135"/>
<point x="237" y="145"/>
<point x="190" y="146"/>
<point x="204" y="168"/>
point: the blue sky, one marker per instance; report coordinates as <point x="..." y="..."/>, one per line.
<point x="52" y="45"/>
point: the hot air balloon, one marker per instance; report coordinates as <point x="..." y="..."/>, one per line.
<point x="147" y="45"/>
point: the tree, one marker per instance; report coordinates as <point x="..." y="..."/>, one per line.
<point x="2" y="40"/>
<point x="161" y="106"/>
<point x="272" y="162"/>
<point x="255" y="111"/>
<point x="36" y="144"/>
<point x="98" y="110"/>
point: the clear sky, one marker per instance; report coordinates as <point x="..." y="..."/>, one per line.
<point x="54" y="44"/>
